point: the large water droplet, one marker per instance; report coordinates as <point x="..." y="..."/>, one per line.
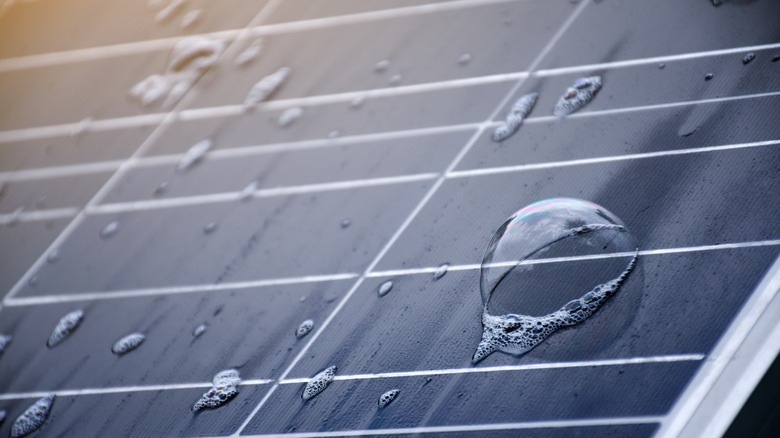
<point x="266" y="87"/>
<point x="109" y="230"/>
<point x="318" y="383"/>
<point x="747" y="59"/>
<point x="384" y="288"/>
<point x="32" y="418"/>
<point x="514" y="119"/>
<point x="304" y="328"/>
<point x="194" y="155"/>
<point x="249" y="54"/>
<point x="223" y="389"/>
<point x="190" y="18"/>
<point x="576" y="97"/>
<point x="388" y="397"/>
<point x="289" y="115"/>
<point x="512" y="288"/>
<point x="5" y="341"/>
<point x="441" y="271"/>
<point x="128" y="343"/>
<point x="199" y="330"/>
<point x="65" y="327"/>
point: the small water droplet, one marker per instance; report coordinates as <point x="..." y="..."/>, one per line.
<point x="395" y="79"/>
<point x="333" y="134"/>
<point x="162" y="188"/>
<point x="249" y="54"/>
<point x="65" y="327"/>
<point x="223" y="389"/>
<point x="127" y="343"/>
<point x="33" y="282"/>
<point x="580" y="94"/>
<point x="748" y="58"/>
<point x="190" y="18"/>
<point x="5" y="341"/>
<point x="358" y="101"/>
<point x="81" y="127"/>
<point x="304" y="328"/>
<point x="109" y="230"/>
<point x="266" y="87"/>
<point x="464" y="59"/>
<point x="708" y="76"/>
<point x="388" y="397"/>
<point x="199" y="330"/>
<point x="776" y="58"/>
<point x="516" y="116"/>
<point x="209" y="228"/>
<point x="661" y="66"/>
<point x="247" y="192"/>
<point x="345" y="223"/>
<point x="194" y="155"/>
<point x="318" y="383"/>
<point x="289" y="115"/>
<point x="382" y="66"/>
<point x="13" y="218"/>
<point x="169" y="11"/>
<point x="32" y="418"/>
<point x="385" y="287"/>
<point x="441" y="271"/>
<point x="545" y="227"/>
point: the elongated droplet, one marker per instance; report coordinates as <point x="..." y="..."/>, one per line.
<point x="290" y="115"/>
<point x="109" y="230"/>
<point x="223" y="389"/>
<point x="388" y="397"/>
<point x="516" y="116"/>
<point x="171" y="9"/>
<point x="199" y="330"/>
<point x="661" y="66"/>
<point x="748" y="58"/>
<point x="384" y="288"/>
<point x="209" y="228"/>
<point x="776" y="58"/>
<point x="570" y="225"/>
<point x="33" y="418"/>
<point x="190" y="18"/>
<point x="318" y="383"/>
<point x="708" y="76"/>
<point x="246" y="193"/>
<point x="65" y="327"/>
<point x="128" y="343"/>
<point x="358" y="102"/>
<point x="5" y="341"/>
<point x="580" y="94"/>
<point x="249" y="54"/>
<point x="161" y="189"/>
<point x="266" y="87"/>
<point x="382" y="66"/>
<point x="464" y="59"/>
<point x="194" y="155"/>
<point x="441" y="271"/>
<point x="304" y="328"/>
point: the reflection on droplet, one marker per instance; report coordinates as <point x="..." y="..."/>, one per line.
<point x="266" y="87"/>
<point x="289" y="115"/>
<point x="109" y="230"/>
<point x="5" y="341"/>
<point x="382" y="66"/>
<point x="223" y="389"/>
<point x="554" y="227"/>
<point x="748" y="58"/>
<point x="516" y="116"/>
<point x="65" y="327"/>
<point x="32" y="418"/>
<point x="384" y="288"/>
<point x="441" y="271"/>
<point x="199" y="330"/>
<point x="345" y="223"/>
<point x="708" y="76"/>
<point x="395" y="79"/>
<point x="247" y="192"/>
<point x="168" y="11"/>
<point x="194" y="155"/>
<point x="388" y="397"/>
<point x="161" y="189"/>
<point x="127" y="343"/>
<point x="209" y="228"/>
<point x="464" y="59"/>
<point x="188" y="19"/>
<point x="249" y="54"/>
<point x="304" y="328"/>
<point x="576" y="97"/>
<point x="318" y="383"/>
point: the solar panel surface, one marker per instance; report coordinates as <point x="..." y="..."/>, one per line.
<point x="690" y="165"/>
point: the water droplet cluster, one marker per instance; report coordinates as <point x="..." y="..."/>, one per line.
<point x="318" y="383"/>
<point x="127" y="343"/>
<point x="514" y="119"/>
<point x="223" y="389"/>
<point x="304" y="328"/>
<point x="388" y="397"/>
<point x="32" y="418"/>
<point x="65" y="327"/>
<point x="577" y="96"/>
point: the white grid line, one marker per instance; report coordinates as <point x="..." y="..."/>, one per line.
<point x="39" y="215"/>
<point x="423" y="202"/>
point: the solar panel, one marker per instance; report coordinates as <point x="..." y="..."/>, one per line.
<point x="388" y="172"/>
